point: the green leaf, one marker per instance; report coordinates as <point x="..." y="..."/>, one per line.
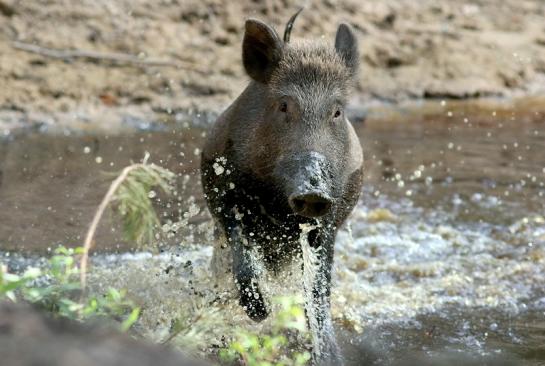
<point x="131" y="319"/>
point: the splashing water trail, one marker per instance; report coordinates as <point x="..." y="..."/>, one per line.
<point x="445" y="249"/>
<point x="310" y="264"/>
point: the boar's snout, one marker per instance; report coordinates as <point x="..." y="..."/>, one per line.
<point x="308" y="184"/>
<point x="310" y="204"/>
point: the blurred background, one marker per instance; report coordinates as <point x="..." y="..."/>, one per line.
<point x="409" y="50"/>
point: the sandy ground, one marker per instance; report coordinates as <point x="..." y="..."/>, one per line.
<point x="409" y="49"/>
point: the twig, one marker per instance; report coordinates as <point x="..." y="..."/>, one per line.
<point x="119" y="58"/>
<point x="96" y="219"/>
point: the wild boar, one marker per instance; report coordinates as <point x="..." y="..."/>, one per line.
<point x="284" y="155"/>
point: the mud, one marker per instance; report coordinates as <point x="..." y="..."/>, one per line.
<point x="424" y="49"/>
<point x="28" y="337"/>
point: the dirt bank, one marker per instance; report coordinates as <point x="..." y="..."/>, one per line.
<point x="29" y="337"/>
<point x="424" y="49"/>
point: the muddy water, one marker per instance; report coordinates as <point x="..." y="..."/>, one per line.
<point x="444" y="253"/>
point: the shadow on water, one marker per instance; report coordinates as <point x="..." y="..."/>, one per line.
<point x="446" y="248"/>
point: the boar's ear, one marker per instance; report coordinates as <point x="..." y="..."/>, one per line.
<point x="261" y="50"/>
<point x="346" y="46"/>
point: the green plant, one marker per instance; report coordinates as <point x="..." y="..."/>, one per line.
<point x="191" y="329"/>
<point x="56" y="289"/>
<point x="134" y="205"/>
<point x="132" y="192"/>
<point x="271" y="349"/>
<point x="10" y="282"/>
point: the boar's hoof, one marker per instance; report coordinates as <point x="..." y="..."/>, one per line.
<point x="253" y="303"/>
<point x="310" y="204"/>
<point x="257" y="311"/>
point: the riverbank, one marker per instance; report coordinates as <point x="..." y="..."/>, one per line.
<point x="153" y="60"/>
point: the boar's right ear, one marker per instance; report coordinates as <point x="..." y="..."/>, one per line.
<point x="261" y="50"/>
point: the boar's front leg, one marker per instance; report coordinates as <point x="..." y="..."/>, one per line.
<point x="246" y="276"/>
<point x="317" y="265"/>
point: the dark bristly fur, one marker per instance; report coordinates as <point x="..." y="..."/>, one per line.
<point x="284" y="154"/>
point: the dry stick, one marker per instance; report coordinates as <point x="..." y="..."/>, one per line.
<point x="96" y="219"/>
<point x="99" y="56"/>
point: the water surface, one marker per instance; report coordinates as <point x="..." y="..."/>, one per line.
<point x="444" y="253"/>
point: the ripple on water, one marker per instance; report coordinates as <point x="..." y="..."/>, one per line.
<point x="392" y="266"/>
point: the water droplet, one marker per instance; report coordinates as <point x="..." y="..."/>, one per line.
<point x="218" y="169"/>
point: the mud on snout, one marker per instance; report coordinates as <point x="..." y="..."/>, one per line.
<point x="307" y="182"/>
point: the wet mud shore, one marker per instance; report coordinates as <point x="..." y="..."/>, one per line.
<point x="409" y="50"/>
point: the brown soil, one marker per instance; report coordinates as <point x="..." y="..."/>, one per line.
<point x="410" y="49"/>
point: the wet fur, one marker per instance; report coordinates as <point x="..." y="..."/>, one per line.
<point x="248" y="199"/>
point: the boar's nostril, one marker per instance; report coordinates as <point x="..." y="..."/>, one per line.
<point x="298" y="204"/>
<point x="310" y="204"/>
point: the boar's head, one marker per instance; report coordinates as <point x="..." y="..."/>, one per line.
<point x="302" y="141"/>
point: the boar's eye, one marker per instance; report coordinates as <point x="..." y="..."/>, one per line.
<point x="337" y="113"/>
<point x="283" y="107"/>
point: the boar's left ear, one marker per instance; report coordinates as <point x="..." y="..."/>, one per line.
<point x="346" y="46"/>
<point x="261" y="50"/>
